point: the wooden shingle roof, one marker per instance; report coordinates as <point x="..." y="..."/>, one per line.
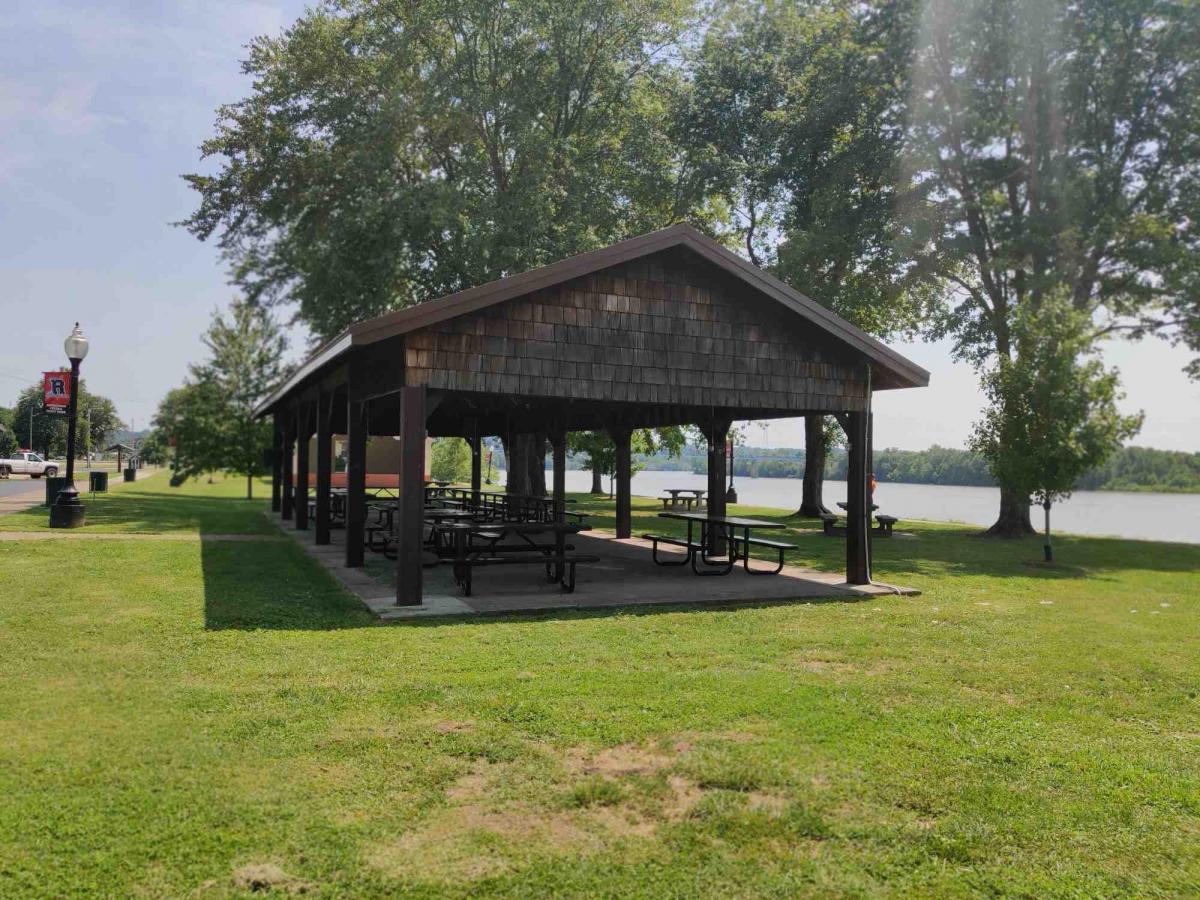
<point x="897" y="371"/>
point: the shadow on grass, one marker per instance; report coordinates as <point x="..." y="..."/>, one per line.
<point x="162" y="511"/>
<point x="941" y="550"/>
<point x="273" y="585"/>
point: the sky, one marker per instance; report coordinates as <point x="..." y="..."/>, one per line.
<point x="103" y="105"/>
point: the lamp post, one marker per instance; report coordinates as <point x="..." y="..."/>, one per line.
<point x="1049" y="552"/>
<point x="731" y="494"/>
<point x="67" y="511"/>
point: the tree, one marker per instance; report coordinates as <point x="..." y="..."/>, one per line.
<point x="154" y="447"/>
<point x="391" y="151"/>
<point x="794" y="117"/>
<point x="50" y="429"/>
<point x="1053" y="413"/>
<point x="450" y="460"/>
<point x="245" y="363"/>
<point x="8" y="437"/>
<point x="1053" y="145"/>
<point x="601" y="453"/>
<point x="194" y="420"/>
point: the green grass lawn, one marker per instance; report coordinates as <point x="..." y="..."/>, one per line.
<point x="209" y="716"/>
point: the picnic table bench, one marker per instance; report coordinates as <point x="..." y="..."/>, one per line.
<point x="475" y="544"/>
<point x="734" y="531"/>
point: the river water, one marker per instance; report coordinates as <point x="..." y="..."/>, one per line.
<point x="1160" y="517"/>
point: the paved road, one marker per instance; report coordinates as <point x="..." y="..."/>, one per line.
<point x="11" y="487"/>
<point x="20" y="493"/>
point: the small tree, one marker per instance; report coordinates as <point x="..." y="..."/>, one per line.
<point x="246" y="362"/>
<point x="1053" y="412"/>
<point x="450" y="459"/>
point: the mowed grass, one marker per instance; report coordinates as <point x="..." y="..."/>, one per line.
<point x="151" y="505"/>
<point x="212" y="717"/>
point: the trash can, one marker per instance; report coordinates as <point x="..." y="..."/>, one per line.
<point x="99" y="482"/>
<point x="130" y="474"/>
<point x="54" y="484"/>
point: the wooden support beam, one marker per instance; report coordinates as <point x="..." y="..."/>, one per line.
<point x="288" y="463"/>
<point x="716" y="431"/>
<point x="411" y="504"/>
<point x="558" y="444"/>
<point x="324" y="409"/>
<point x="276" y="462"/>
<point x="357" y="431"/>
<point x="476" y="443"/>
<point x="623" y="473"/>
<point x="303" y="434"/>
<point x="858" y="509"/>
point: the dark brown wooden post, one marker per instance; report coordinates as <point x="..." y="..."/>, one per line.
<point x="623" y="474"/>
<point x="558" y="443"/>
<point x="411" y="505"/>
<point x="717" y="432"/>
<point x="303" y="433"/>
<point x="476" y="444"/>
<point x="287" y="501"/>
<point x="356" y="465"/>
<point x="858" y="511"/>
<point x="276" y="462"/>
<point x="324" y="463"/>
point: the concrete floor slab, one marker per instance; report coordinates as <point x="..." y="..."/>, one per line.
<point x="625" y="576"/>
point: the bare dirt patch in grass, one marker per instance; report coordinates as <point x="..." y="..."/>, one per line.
<point x="265" y="877"/>
<point x="764" y="801"/>
<point x="489" y="826"/>
<point x="827" y="664"/>
<point x="619" y="761"/>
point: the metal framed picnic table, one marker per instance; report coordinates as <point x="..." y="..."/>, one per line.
<point x="462" y="553"/>
<point x="728" y="528"/>
<point x="675" y="500"/>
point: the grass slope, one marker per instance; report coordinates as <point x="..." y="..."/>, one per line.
<point x="218" y="717"/>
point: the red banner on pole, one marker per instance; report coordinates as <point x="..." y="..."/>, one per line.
<point x="57" y="387"/>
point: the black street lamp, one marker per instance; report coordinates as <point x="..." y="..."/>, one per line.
<point x="731" y="494"/>
<point x="67" y="511"/>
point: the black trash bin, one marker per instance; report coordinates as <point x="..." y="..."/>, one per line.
<point x="54" y="484"/>
<point x="130" y="474"/>
<point x="99" y="482"/>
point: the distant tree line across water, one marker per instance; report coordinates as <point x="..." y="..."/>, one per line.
<point x="1130" y="469"/>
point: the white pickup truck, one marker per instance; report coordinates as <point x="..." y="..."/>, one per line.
<point x="27" y="464"/>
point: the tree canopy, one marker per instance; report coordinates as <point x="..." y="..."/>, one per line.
<point x="937" y="167"/>
<point x="391" y="152"/>
<point x="96" y="422"/>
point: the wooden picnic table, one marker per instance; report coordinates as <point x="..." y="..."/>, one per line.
<point x="464" y="554"/>
<point x="728" y="528"/>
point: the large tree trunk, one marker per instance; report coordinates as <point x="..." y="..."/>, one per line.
<point x="537" y="465"/>
<point x="249" y="486"/>
<point x="597" y="485"/>
<point x="525" y="459"/>
<point x="1014" y="516"/>
<point x="812" y="503"/>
